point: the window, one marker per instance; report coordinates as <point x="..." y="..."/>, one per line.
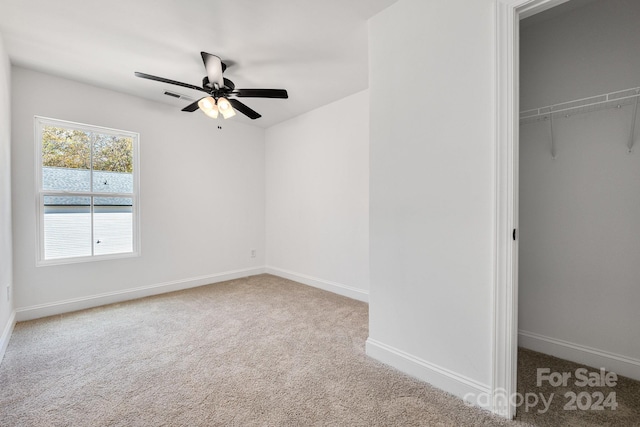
<point x="87" y="187"/>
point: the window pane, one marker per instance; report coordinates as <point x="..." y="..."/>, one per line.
<point x="112" y="164"/>
<point x="67" y="227"/>
<point x="66" y="155"/>
<point x="112" y="225"/>
<point x="82" y="166"/>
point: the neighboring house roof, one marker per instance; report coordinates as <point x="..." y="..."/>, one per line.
<point x="67" y="179"/>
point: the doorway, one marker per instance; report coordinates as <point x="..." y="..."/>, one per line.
<point x="508" y="202"/>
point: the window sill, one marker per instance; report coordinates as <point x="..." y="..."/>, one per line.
<point x="77" y="260"/>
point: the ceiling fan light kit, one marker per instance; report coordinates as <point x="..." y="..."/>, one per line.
<point x="225" y="108"/>
<point x="208" y="106"/>
<point x="207" y="103"/>
<point x="213" y="112"/>
<point x="221" y="92"/>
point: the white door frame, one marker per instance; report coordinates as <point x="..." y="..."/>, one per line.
<point x="505" y="297"/>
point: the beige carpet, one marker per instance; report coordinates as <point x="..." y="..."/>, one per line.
<point x="591" y="411"/>
<point x="258" y="351"/>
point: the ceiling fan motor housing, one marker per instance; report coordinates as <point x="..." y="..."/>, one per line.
<point x="228" y="84"/>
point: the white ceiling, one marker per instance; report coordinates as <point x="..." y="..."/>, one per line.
<point x="317" y="50"/>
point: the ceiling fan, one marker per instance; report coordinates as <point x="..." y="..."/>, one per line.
<point x="221" y="92"/>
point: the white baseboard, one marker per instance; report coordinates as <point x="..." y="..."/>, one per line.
<point x="471" y="391"/>
<point x="60" y="307"/>
<point x="336" y="288"/>
<point x="621" y="365"/>
<point x="6" y="334"/>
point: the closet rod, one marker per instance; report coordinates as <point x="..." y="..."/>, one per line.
<point x="583" y="105"/>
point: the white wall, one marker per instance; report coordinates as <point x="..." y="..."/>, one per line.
<point x="6" y="270"/>
<point x="579" y="214"/>
<point x="202" y="198"/>
<point x="317" y="186"/>
<point x="432" y="86"/>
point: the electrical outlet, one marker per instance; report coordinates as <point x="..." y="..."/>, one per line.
<point x="253" y="253"/>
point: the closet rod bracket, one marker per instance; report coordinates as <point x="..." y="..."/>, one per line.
<point x="632" y="133"/>
<point x="553" y="137"/>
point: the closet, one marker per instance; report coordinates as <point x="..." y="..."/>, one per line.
<point x="579" y="184"/>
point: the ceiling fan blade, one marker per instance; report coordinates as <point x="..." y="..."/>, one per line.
<point x="244" y="109"/>
<point x="192" y="107"/>
<point x="261" y="93"/>
<point x="171" y="82"/>
<point x="214" y="68"/>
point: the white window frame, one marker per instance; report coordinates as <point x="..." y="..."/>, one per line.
<point x="40" y="123"/>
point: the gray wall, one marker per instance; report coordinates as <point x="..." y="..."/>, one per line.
<point x="6" y="306"/>
<point x="579" y="214"/>
<point x="589" y="51"/>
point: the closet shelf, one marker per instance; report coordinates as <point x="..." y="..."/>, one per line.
<point x="600" y="102"/>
